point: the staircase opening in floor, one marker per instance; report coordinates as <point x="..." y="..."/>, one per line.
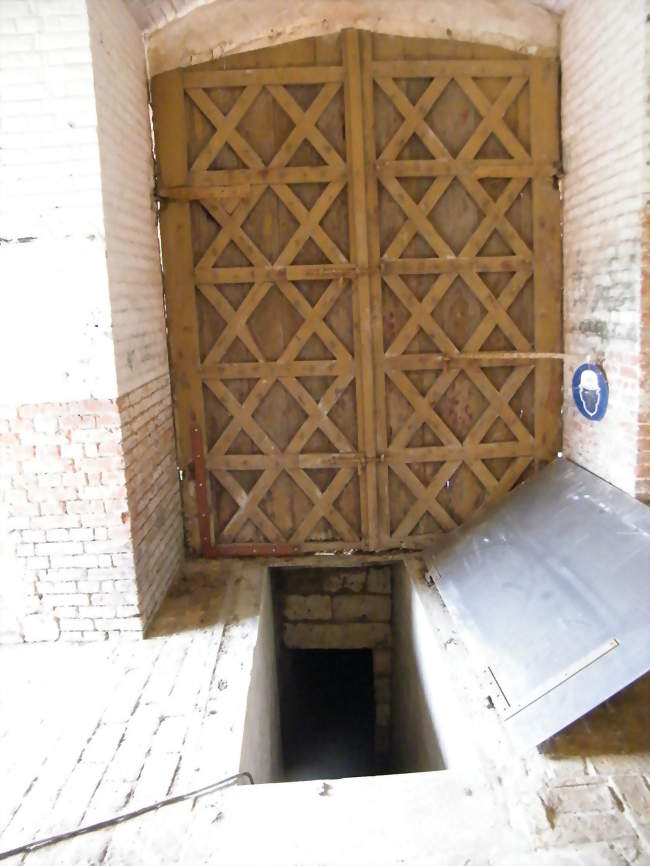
<point x="327" y="708"/>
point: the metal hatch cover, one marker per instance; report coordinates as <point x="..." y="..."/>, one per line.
<point x="551" y="585"/>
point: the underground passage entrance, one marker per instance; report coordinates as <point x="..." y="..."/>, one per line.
<point x="327" y="709"/>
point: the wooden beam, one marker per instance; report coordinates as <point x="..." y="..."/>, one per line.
<point x="191" y="193"/>
<point x="450" y="68"/>
<point x="273" y="75"/>
<point x="547" y="250"/>
<point x="180" y="305"/>
<point x="363" y="325"/>
<point x="464" y="167"/>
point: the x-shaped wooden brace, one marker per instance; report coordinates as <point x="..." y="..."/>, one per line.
<point x="425" y="497"/>
<point x="236" y="320"/>
<point x="498" y="405"/>
<point x="420" y="311"/>
<point x="305" y="129"/>
<point x="491" y="118"/>
<point x="492" y="122"/>
<point x="317" y="413"/>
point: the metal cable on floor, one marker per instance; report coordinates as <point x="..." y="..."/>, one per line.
<point x="119" y="819"/>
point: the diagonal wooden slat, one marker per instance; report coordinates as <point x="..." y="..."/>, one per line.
<point x="508" y="390"/>
<point x="305" y="122"/>
<point x="309" y="223"/>
<point x="333" y="517"/>
<point x="236" y="325"/>
<point x="319" y="326"/>
<point x="495" y="215"/>
<point x="243" y="418"/>
<point x="318" y="415"/>
<point x="221" y="241"/>
<point x="442" y="383"/>
<point x="239" y="144"/>
<point x="499" y="401"/>
<point x="249" y="509"/>
<point x="506" y="298"/>
<point x="425" y="498"/>
<point x="492" y="121"/>
<point x="413" y="117"/>
<point x="248" y="504"/>
<point x="227" y="313"/>
<point x="224" y="126"/>
<point x="325" y="404"/>
<point x="496" y="311"/>
<point x="419" y="314"/>
<point x="417" y="215"/>
<point x="422" y="407"/>
<point x="413" y="114"/>
<point x="426" y="305"/>
<point x="323" y="505"/>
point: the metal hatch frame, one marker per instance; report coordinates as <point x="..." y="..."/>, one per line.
<point x="550" y="587"/>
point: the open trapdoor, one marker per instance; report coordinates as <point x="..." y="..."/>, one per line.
<point x="551" y="588"/>
<point x="361" y="249"/>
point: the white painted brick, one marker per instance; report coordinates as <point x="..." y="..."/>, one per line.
<point x="604" y="111"/>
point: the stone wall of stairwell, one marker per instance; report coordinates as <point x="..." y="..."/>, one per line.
<point x="342" y="608"/>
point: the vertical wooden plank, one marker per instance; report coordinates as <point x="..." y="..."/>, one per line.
<point x="171" y="154"/>
<point x="376" y="317"/>
<point x="358" y="210"/>
<point x="547" y="251"/>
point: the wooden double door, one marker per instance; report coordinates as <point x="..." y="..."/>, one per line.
<point x="361" y="254"/>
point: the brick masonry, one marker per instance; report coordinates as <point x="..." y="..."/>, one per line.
<point x="90" y="532"/>
<point x="92" y="516"/>
<point x="342" y="608"/>
<point x="604" y="120"/>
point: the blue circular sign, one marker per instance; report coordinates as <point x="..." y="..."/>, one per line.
<point x="590" y="391"/>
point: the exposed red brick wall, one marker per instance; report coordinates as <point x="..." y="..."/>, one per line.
<point x="152" y="489"/>
<point x="92" y="502"/>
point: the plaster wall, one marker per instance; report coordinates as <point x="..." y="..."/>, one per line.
<point x="261" y="751"/>
<point x="430" y="731"/>
<point x="55" y="327"/>
<point x="212" y="30"/>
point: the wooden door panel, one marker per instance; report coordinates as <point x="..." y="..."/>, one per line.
<point x="459" y="237"/>
<point x="361" y="253"/>
<point x="271" y="359"/>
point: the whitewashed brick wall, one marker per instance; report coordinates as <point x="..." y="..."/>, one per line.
<point x="126" y="160"/>
<point x="603" y="120"/>
<point x="90" y="532"/>
<point x="52" y="256"/>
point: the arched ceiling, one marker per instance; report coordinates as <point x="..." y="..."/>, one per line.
<point x="153" y="14"/>
<point x="180" y="33"/>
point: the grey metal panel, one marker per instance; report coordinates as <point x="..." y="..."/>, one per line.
<point x="552" y="586"/>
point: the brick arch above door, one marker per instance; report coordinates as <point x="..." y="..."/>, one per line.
<point x="362" y="270"/>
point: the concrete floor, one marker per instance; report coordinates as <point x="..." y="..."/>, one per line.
<point x="89" y="731"/>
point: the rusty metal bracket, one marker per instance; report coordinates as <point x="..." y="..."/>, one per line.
<point x="215" y="551"/>
<point x="201" y="481"/>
